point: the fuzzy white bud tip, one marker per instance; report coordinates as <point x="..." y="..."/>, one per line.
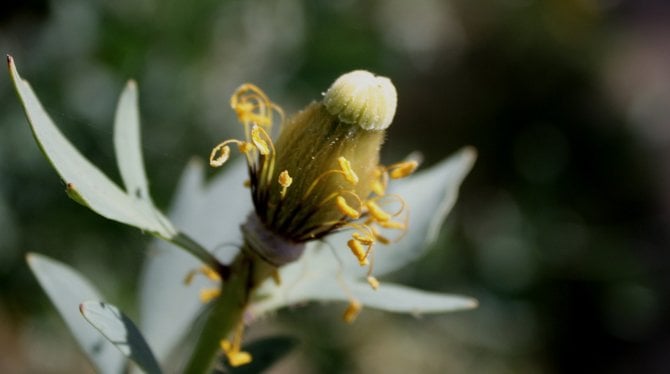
<point x="363" y="99"/>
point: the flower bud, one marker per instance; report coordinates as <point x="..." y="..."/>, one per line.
<point x="322" y="172"/>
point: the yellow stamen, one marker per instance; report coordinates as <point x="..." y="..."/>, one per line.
<point x="378" y="236"/>
<point x="252" y="105"/>
<point x="285" y="181"/>
<point x="378" y="184"/>
<point x="258" y="141"/>
<point x="235" y="358"/>
<point x="349" y="173"/>
<point x="392" y="225"/>
<point x="245" y="147"/>
<point x="373" y="282"/>
<point x="209" y="294"/>
<point x="378" y="188"/>
<point x="376" y="212"/>
<point x="365" y="240"/>
<point x="346" y="209"/>
<point x="208" y="272"/>
<point x="403" y="169"/>
<point x="352" y="311"/>
<point x="222" y="158"/>
<point x="358" y="251"/>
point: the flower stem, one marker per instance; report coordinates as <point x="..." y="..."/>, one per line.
<point x="245" y="273"/>
<point x="202" y="254"/>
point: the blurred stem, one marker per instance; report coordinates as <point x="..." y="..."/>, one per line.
<point x="202" y="254"/>
<point x="245" y="274"/>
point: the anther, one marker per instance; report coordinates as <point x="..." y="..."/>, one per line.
<point x="349" y="173"/>
<point x="392" y="225"/>
<point x="403" y="169"/>
<point x="245" y="147"/>
<point x="258" y="141"/>
<point x="209" y="294"/>
<point x="373" y="282"/>
<point x="378" y="236"/>
<point x="358" y="251"/>
<point x="376" y="212"/>
<point x="224" y="151"/>
<point x="285" y="181"/>
<point x="363" y="239"/>
<point x="346" y="209"/>
<point x="352" y="311"/>
<point x="235" y="356"/>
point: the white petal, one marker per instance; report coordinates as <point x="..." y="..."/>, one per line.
<point x="85" y="182"/>
<point x="430" y="195"/>
<point x="128" y="149"/>
<point x="301" y="283"/>
<point x="212" y="216"/>
<point x="67" y="288"/>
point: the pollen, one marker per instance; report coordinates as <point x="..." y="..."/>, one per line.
<point x="232" y="349"/>
<point x="223" y="152"/>
<point x="349" y="173"/>
<point x="403" y="169"/>
<point x="285" y="181"/>
<point x="373" y="282"/>
<point x="245" y="147"/>
<point x="235" y="359"/>
<point x="365" y="240"/>
<point x="359" y="251"/>
<point x="346" y="209"/>
<point x="257" y="138"/>
<point x="209" y="294"/>
<point x="392" y="225"/>
<point x="353" y="310"/>
<point x="376" y="212"/>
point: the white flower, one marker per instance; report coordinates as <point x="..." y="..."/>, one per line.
<point x="211" y="213"/>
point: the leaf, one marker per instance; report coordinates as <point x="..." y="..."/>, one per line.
<point x="265" y="353"/>
<point x="84" y="181"/>
<point x="120" y="331"/>
<point x="212" y="214"/>
<point x="67" y="289"/>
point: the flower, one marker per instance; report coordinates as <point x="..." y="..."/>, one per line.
<point x="212" y="213"/>
<point x="323" y="173"/>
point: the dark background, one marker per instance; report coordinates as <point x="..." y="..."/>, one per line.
<point x="561" y="230"/>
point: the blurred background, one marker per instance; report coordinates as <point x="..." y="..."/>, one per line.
<point x="561" y="230"/>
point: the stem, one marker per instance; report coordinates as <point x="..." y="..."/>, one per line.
<point x="202" y="254"/>
<point x="245" y="273"/>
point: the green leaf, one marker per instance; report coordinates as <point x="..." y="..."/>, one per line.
<point x="85" y="183"/>
<point x="67" y="289"/>
<point x="265" y="353"/>
<point x="120" y="331"/>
